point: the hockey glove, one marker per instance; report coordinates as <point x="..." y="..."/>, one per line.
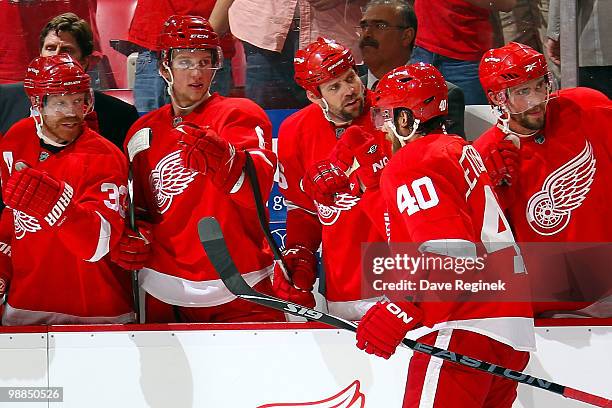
<point x="323" y="180"/>
<point x="356" y="143"/>
<point x="204" y="151"/>
<point x="134" y="248"/>
<point x="39" y="195"/>
<point x="385" y="325"/>
<point x="283" y="289"/>
<point x="502" y="162"/>
<point x="302" y="265"/>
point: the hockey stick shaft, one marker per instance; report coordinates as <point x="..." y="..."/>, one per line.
<point x="139" y="142"/>
<point x="251" y="174"/>
<point x="132" y="216"/>
<point x="214" y="244"/>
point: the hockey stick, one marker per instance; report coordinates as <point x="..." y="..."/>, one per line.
<point x="213" y="242"/>
<point x="139" y="142"/>
<point x="251" y="174"/>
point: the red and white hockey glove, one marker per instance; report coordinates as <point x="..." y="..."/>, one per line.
<point x="385" y="325"/>
<point x="302" y="265"/>
<point x="207" y="153"/>
<point x="134" y="248"/>
<point x="39" y="195"/>
<point x="323" y="180"/>
<point x="357" y="143"/>
<point x="502" y="162"/>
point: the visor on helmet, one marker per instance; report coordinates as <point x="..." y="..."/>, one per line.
<point x="79" y="104"/>
<point x="190" y="59"/>
<point x="380" y="115"/>
<point x="528" y="95"/>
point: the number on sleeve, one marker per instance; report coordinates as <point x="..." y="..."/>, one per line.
<point x="116" y="196"/>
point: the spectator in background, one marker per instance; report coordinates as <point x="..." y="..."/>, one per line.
<point x="594" y="42"/>
<point x="68" y="33"/>
<point x="525" y="24"/>
<point x="453" y="37"/>
<point x="150" y="91"/>
<point x="387" y="32"/>
<point x="273" y="30"/>
<point x="21" y="22"/>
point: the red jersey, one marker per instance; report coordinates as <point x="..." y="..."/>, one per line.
<point x="305" y="138"/>
<point x="176" y="198"/>
<point x="150" y="15"/>
<point x="439" y="195"/>
<point x="22" y="22"/>
<point x="453" y="28"/>
<point x="562" y="189"/>
<point x="63" y="274"/>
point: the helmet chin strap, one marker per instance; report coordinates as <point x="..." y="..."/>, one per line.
<point x="502" y="114"/>
<point x="325" y="109"/>
<point x="404" y="140"/>
<point x="170" y="89"/>
<point x="38" y="121"/>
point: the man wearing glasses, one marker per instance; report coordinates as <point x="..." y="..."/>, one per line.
<point x="194" y="169"/>
<point x="386" y="37"/>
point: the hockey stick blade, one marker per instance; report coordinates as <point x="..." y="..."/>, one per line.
<point x="214" y="244"/>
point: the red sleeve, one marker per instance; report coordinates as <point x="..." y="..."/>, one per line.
<point x="291" y="169"/>
<point x="96" y="221"/>
<point x="373" y="204"/>
<point x="250" y="129"/>
<point x="303" y="226"/>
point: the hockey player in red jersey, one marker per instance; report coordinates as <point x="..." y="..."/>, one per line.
<point x="439" y="195"/>
<point x="194" y="169"/>
<point x="321" y="206"/>
<point x="64" y="188"/>
<point x="549" y="154"/>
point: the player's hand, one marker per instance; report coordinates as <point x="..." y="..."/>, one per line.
<point x="358" y="144"/>
<point x="283" y="289"/>
<point x="302" y="265"/>
<point x="552" y="48"/>
<point x="204" y="151"/>
<point x="385" y="325"/>
<point x="38" y="194"/>
<point x="502" y="162"/>
<point x="323" y="180"/>
<point x="134" y="248"/>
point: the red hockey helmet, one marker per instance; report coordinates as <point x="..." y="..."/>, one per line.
<point x="55" y="75"/>
<point x="320" y="62"/>
<point x="509" y="66"/>
<point x="419" y="87"/>
<point x="189" y="32"/>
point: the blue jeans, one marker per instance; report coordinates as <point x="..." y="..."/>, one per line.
<point x="269" y="76"/>
<point x="464" y="74"/>
<point x="150" y="88"/>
